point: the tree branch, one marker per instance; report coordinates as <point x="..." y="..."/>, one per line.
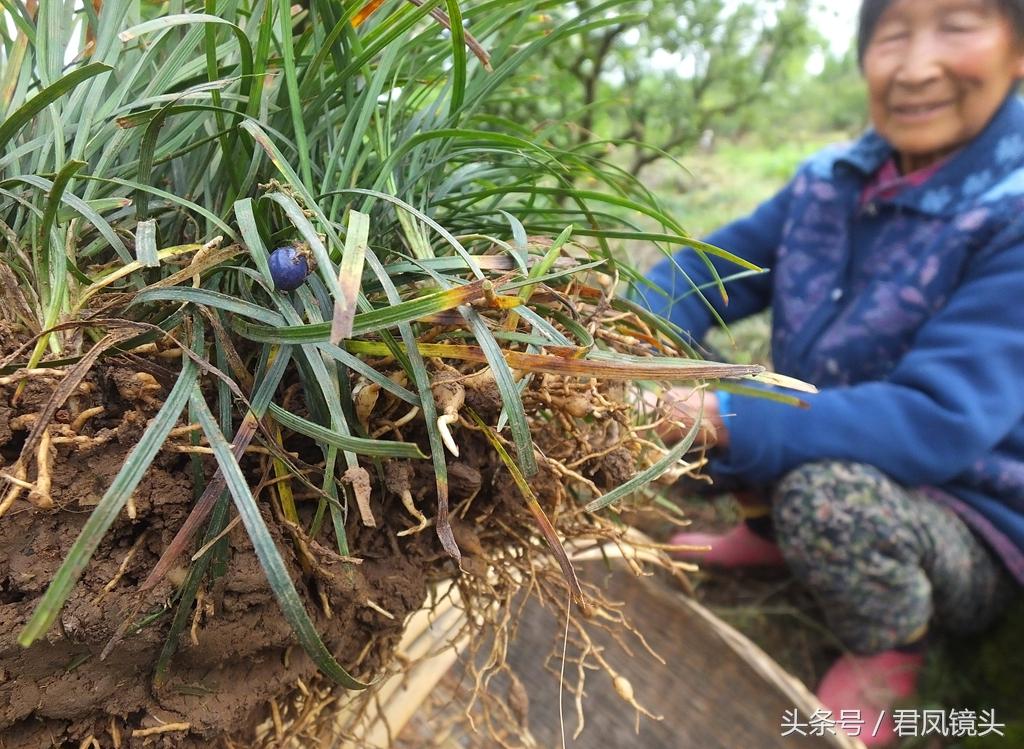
<point x="591" y="79"/>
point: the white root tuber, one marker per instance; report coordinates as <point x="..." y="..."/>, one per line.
<point x="398" y="477"/>
<point x="446" y="436"/>
<point x="410" y="507"/>
<point x="449" y="396"/>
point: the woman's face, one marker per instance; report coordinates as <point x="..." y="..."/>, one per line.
<point x="937" y="71"/>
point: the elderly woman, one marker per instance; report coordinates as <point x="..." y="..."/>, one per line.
<point x="896" y="287"/>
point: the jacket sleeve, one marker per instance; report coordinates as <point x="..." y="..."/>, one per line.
<point x="755" y="238"/>
<point x="953" y="397"/>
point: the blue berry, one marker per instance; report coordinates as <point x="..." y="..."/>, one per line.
<point x="289" y="267"/>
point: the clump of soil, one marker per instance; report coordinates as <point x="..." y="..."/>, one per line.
<point x="241" y="651"/>
<point x="239" y="656"/>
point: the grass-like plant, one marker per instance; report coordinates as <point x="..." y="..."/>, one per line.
<point x="153" y="154"/>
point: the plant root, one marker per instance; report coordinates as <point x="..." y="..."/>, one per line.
<point x="18" y="485"/>
<point x="398" y="477"/>
<point x="380" y="610"/>
<point x="140" y="733"/>
<point x="26" y="374"/>
<point x="365" y="396"/>
<point x="394" y="426"/>
<point x="359" y="478"/>
<point x="122" y="568"/>
<point x="446" y="436"/>
<point x="84" y="416"/>
<point x="450" y="395"/>
<point x="40" y="493"/>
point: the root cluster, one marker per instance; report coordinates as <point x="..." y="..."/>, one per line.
<point x="587" y="441"/>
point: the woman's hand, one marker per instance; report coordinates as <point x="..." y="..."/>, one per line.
<point x="682" y="406"/>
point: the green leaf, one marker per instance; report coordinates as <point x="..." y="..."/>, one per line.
<point x="10" y="126"/>
<point x="309" y="234"/>
<point x="511" y="400"/>
<point x="284" y="15"/>
<point x="19" y="14"/>
<point x="447" y="235"/>
<point x="266" y="551"/>
<point x="53" y="200"/>
<point x="279" y="359"/>
<point x="458" y="37"/>
<point x="366" y="322"/>
<point x="145" y="244"/>
<point x="541" y="268"/>
<point x="350" y="275"/>
<point x="172" y="199"/>
<point x="210" y="299"/>
<point x="547" y="530"/>
<point x="191" y="19"/>
<point x="358" y="365"/>
<point x="83" y="208"/>
<point x="360" y="445"/>
<point x="278" y="159"/>
<point x="421" y="377"/>
<point x="54" y="281"/>
<point x="189" y="589"/>
<point x="99" y="205"/>
<point x="756" y="392"/>
<point x="147" y="149"/>
<point x="110" y="505"/>
<point x="645" y="477"/>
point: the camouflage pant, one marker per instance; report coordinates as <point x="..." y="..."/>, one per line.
<point x="883" y="560"/>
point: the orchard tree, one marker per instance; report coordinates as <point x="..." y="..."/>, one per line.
<point x="665" y="72"/>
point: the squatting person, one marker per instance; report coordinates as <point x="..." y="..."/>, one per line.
<point x="896" y="287"/>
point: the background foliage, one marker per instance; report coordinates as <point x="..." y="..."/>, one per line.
<point x="686" y="71"/>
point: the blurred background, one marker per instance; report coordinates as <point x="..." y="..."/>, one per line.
<point x="728" y="96"/>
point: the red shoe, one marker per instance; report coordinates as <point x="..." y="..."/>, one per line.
<point x="868" y="687"/>
<point x="739" y="547"/>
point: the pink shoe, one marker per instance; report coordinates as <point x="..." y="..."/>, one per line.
<point x="868" y="687"/>
<point x="739" y="547"/>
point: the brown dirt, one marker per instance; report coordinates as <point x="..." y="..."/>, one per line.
<point x="238" y="659"/>
<point x="59" y="692"/>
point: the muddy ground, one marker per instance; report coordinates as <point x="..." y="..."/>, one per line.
<point x="240" y="652"/>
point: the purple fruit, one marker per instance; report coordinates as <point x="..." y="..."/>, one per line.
<point x="289" y="267"/>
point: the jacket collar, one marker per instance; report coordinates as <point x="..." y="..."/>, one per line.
<point x="977" y="173"/>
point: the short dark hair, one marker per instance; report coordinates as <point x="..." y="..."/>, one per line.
<point x="872" y="10"/>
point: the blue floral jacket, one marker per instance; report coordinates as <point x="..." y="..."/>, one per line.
<point x="907" y="312"/>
